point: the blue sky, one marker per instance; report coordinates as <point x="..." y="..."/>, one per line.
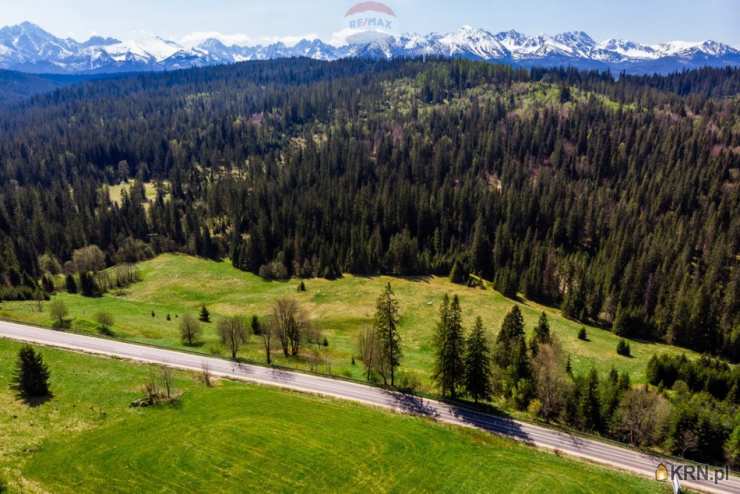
<point x="648" y="21"/>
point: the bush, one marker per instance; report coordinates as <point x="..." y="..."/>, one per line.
<point x="58" y="311"/>
<point x="158" y="390"/>
<point x="125" y="275"/>
<point x="535" y="407"/>
<point x="623" y="349"/>
<point x="105" y="321"/>
<point x="88" y="259"/>
<point x="132" y="251"/>
<point x="582" y="334"/>
<point x="19" y="293"/>
<point x="409" y="382"/>
<point x="522" y="393"/>
<point x="274" y="271"/>
<point x="190" y="330"/>
<point x="88" y="285"/>
<point x="48" y="263"/>
<point x="302" y="287"/>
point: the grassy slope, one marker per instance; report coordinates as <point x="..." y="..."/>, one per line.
<point x="241" y="438"/>
<point x="179" y="284"/>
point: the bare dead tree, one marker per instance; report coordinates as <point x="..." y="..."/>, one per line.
<point x="159" y="387"/>
<point x="552" y="384"/>
<point x="232" y="331"/>
<point x="370" y="349"/>
<point x="167" y="378"/>
<point x="641" y="416"/>
<point x="189" y="330"/>
<point x="291" y="323"/>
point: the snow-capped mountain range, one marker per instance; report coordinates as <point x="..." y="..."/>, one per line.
<point x="28" y="48"/>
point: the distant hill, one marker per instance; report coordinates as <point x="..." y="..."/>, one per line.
<point x="18" y="86"/>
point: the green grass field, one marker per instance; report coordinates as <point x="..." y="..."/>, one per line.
<point x="177" y="284"/>
<point x="235" y="437"/>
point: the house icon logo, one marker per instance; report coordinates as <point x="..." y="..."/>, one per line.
<point x="661" y="473"/>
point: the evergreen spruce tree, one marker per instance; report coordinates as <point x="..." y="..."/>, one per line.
<point x="481" y="251"/>
<point x="256" y="326"/>
<point x="205" y="316"/>
<point x="623" y="348"/>
<point x="589" y="405"/>
<point x="457" y="275"/>
<point x="449" y="372"/>
<point x="512" y="331"/>
<point x="478" y="364"/>
<point x="541" y="334"/>
<point x="31" y="379"/>
<point x="510" y="355"/>
<point x="386" y="327"/>
<point x="88" y="285"/>
<point x="70" y="284"/>
<point x="624" y="381"/>
<point x="611" y="394"/>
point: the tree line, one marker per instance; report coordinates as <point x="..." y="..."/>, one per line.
<point x="690" y="410"/>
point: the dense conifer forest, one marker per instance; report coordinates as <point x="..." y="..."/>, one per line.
<point x="617" y="199"/>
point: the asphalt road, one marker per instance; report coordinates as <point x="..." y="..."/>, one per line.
<point x="567" y="444"/>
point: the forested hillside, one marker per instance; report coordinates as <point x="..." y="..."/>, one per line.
<point x="618" y="200"/>
<point x="16" y="87"/>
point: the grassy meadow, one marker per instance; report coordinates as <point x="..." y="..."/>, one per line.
<point x="176" y="284"/>
<point x="234" y="437"/>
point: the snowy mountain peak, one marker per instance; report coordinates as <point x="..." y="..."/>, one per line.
<point x="689" y="48"/>
<point x="152" y="48"/>
<point x="475" y="43"/>
<point x="627" y="50"/>
<point x="27" y="47"/>
<point x="578" y="41"/>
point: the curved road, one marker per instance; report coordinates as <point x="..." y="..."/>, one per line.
<point x="568" y="444"/>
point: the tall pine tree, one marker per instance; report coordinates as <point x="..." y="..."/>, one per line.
<point x="478" y="364"/>
<point x="449" y="372"/>
<point x="386" y="328"/>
